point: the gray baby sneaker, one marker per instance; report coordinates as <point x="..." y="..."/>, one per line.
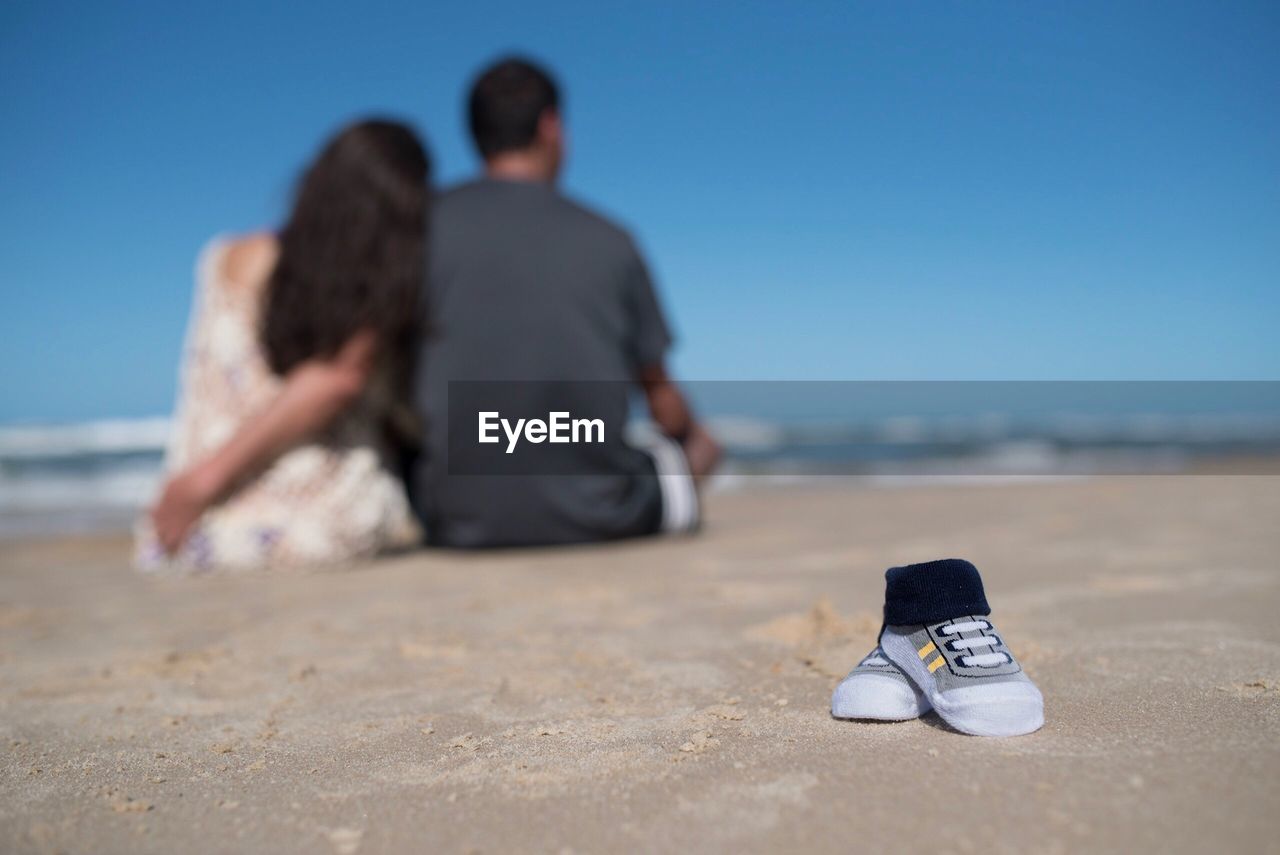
<point x="968" y="674"/>
<point x="877" y="689"/>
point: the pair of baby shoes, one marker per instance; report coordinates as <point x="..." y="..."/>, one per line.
<point x="939" y="650"/>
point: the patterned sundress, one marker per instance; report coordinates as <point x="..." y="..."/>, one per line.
<point x="330" y="501"/>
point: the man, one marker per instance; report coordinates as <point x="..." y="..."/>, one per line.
<point x="531" y="288"/>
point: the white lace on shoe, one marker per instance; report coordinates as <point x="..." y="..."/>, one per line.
<point x="966" y="626"/>
<point x="977" y="660"/>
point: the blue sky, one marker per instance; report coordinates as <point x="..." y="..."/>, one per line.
<point x="853" y="190"/>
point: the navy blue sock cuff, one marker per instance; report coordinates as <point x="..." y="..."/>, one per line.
<point x="933" y="591"/>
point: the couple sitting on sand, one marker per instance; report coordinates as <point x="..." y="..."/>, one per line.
<point x="318" y="361"/>
<point x="316" y="386"/>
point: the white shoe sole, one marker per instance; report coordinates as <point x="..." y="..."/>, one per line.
<point x="874" y="696"/>
<point x="997" y="709"/>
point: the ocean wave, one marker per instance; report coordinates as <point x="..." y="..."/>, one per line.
<point x="108" y="436"/>
<point x="113" y="485"/>
<point x="108" y="470"/>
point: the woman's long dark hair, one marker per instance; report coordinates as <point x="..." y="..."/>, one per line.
<point x="353" y="253"/>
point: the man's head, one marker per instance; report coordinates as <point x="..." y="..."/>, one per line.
<point x="514" y="110"/>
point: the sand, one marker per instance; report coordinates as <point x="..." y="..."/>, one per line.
<point x="660" y="696"/>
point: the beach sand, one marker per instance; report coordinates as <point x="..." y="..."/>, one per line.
<point x="660" y="696"/>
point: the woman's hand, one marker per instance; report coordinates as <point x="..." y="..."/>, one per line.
<point x="182" y="502"/>
<point x="315" y="393"/>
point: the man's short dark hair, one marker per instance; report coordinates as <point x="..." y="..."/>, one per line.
<point x="506" y="102"/>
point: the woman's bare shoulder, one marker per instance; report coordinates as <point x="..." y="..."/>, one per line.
<point x="246" y="260"/>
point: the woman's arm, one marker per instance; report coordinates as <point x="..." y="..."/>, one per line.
<point x="314" y="394"/>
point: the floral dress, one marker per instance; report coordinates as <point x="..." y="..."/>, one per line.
<point x="330" y="501"/>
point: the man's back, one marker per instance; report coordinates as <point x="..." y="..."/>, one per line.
<point x="527" y="286"/>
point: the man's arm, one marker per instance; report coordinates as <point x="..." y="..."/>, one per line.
<point x="650" y="338"/>
<point x="314" y="394"/>
<point x="671" y="412"/>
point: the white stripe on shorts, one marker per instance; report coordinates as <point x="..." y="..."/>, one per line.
<point x="680" y="512"/>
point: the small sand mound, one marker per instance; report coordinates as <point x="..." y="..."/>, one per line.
<point x="823" y="640"/>
<point x="820" y="626"/>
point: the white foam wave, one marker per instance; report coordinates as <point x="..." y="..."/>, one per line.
<point x="112" y="436"/>
<point x="120" y="487"/>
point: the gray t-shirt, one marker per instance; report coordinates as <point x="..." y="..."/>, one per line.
<point x="525" y="285"/>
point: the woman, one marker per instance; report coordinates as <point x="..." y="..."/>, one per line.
<point x="294" y="389"/>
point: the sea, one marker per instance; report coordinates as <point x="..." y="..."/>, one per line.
<point x="93" y="476"/>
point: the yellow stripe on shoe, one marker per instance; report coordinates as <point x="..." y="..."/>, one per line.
<point x="924" y="652"/>
<point x="937" y="663"/>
